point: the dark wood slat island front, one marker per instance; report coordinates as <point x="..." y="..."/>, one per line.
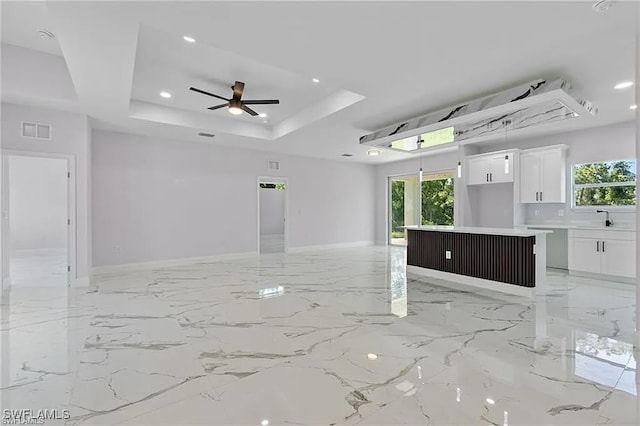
<point x="509" y="260"/>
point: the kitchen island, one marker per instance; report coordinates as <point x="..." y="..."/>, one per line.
<point x="509" y="260"/>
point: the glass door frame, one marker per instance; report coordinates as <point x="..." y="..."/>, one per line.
<point x="418" y="207"/>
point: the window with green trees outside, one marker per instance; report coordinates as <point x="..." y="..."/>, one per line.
<point x="610" y="183"/>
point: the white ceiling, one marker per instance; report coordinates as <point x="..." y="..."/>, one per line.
<point x="406" y="59"/>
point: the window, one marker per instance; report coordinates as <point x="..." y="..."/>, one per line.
<point x="437" y="199"/>
<point x="611" y="183"/>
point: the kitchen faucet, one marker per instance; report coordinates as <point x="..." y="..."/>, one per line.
<point x="607" y="222"/>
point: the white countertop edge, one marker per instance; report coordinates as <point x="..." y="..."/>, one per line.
<point x="518" y="232"/>
<point x="578" y="226"/>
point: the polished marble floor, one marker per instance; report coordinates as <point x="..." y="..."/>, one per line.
<point x="318" y="338"/>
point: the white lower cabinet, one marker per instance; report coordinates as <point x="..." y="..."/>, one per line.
<point x="603" y="252"/>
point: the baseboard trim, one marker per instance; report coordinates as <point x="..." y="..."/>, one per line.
<point x="331" y="246"/>
<point x="464" y="280"/>
<point x="79" y="282"/>
<point x="613" y="279"/>
<point x="125" y="267"/>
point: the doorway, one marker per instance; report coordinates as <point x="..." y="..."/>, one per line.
<point x="272" y="215"/>
<point x="39" y="221"/>
<point x="414" y="201"/>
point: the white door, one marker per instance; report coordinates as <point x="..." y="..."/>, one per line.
<point x="530" y="178"/>
<point x="499" y="173"/>
<point x="586" y="255"/>
<point x="38" y="221"/>
<point x="552" y="188"/>
<point x="478" y="171"/>
<point x="619" y="258"/>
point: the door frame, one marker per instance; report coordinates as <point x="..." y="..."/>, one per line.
<point x="273" y="179"/>
<point x="388" y="222"/>
<point x="71" y="210"/>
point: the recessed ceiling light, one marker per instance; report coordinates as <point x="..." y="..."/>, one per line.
<point x="265" y="422"/>
<point x="490" y="401"/>
<point x="372" y="356"/>
<point x="633" y="107"/>
<point x="263" y="115"/>
<point x="315" y="80"/>
<point x="165" y="94"/>
<point x="373" y="152"/>
<point x="266" y="121"/>
<point x="623" y="85"/>
<point x="189" y="39"/>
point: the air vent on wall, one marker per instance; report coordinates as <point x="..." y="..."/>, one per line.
<point x="31" y="129"/>
<point x="274" y="165"/>
<point x="206" y="135"/>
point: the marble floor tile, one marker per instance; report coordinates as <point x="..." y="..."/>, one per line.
<point x="321" y="337"/>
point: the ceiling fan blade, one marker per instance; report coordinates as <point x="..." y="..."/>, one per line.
<point x="218" y="106"/>
<point x="207" y="93"/>
<point x="249" y="110"/>
<point x="238" y="89"/>
<point x="261" y="102"/>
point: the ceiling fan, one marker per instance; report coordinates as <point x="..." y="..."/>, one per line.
<point x="236" y="104"/>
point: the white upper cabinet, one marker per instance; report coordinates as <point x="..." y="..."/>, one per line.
<point x="543" y="175"/>
<point x="490" y="168"/>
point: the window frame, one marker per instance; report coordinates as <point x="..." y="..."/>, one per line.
<point x="574" y="186"/>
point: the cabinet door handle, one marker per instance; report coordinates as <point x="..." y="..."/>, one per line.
<point x="597" y="245"/>
<point x="540" y="195"/>
<point x="536" y="195"/>
<point x="603" y="246"/>
<point x="487" y="177"/>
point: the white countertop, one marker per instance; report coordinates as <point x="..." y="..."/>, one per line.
<point x="518" y="232"/>
<point x="589" y="226"/>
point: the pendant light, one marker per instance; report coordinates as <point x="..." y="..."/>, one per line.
<point x="506" y="157"/>
<point x="419" y="143"/>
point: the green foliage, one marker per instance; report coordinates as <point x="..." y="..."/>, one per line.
<point x="397" y="207"/>
<point x="605" y="173"/>
<point x="272" y="185"/>
<point x="437" y="202"/>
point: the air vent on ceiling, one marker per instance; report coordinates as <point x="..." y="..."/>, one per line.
<point x="32" y="129"/>
<point x="347" y="155"/>
<point x="206" y="135"/>
<point x="274" y="165"/>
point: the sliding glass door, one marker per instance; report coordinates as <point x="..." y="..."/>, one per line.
<point x="404" y="206"/>
<point x="411" y="202"/>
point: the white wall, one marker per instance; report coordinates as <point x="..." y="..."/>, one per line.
<point x="156" y="199"/>
<point x="69" y="136"/>
<point x="37" y="202"/>
<point x="271" y="211"/>
<point x="615" y="142"/>
<point x="430" y="163"/>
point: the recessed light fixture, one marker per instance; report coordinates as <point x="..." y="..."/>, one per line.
<point x="263" y="115"/>
<point x="315" y="80"/>
<point x="490" y="401"/>
<point x="165" y="94"/>
<point x="623" y="85"/>
<point x="633" y="107"/>
<point x="373" y="152"/>
<point x="189" y="39"/>
<point x="265" y="422"/>
<point x="372" y="356"/>
<point x="266" y="121"/>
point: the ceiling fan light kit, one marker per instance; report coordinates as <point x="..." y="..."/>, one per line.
<point x="236" y="105"/>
